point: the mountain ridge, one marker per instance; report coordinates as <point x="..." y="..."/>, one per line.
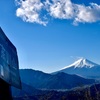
<point x="60" y="80"/>
<point x="82" y="63"/>
<point x="82" y="67"/>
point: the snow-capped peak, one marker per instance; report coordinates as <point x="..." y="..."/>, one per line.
<point x="82" y="63"/>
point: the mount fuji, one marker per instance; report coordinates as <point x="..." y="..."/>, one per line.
<point x="83" y="67"/>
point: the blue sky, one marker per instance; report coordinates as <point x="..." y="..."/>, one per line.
<point x="51" y="34"/>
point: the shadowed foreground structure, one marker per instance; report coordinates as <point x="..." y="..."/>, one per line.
<point x="9" y="67"/>
<point x="5" y="91"/>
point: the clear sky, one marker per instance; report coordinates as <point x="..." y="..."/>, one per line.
<point x="51" y="34"/>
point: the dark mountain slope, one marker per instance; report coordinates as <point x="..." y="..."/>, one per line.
<point x="60" y="80"/>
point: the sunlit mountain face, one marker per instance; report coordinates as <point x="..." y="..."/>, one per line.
<point x="82" y="63"/>
<point x="84" y="68"/>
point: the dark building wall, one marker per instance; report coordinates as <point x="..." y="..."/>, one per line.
<point x="5" y="91"/>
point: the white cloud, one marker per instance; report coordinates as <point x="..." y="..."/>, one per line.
<point x="62" y="9"/>
<point x="30" y="11"/>
<point x="87" y="14"/>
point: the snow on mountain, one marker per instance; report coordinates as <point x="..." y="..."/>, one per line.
<point x="83" y="67"/>
<point x="82" y="63"/>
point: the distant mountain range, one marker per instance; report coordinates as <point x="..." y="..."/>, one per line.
<point x="36" y="84"/>
<point x="61" y="80"/>
<point x="84" y="68"/>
